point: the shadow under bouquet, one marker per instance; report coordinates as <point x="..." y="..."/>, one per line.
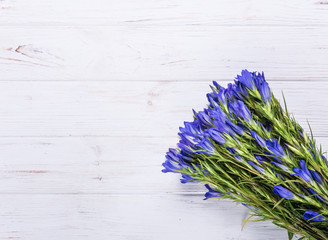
<point x="245" y="147"/>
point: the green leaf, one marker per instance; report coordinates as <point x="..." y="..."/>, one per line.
<point x="290" y="235"/>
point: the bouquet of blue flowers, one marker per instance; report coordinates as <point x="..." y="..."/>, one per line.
<point x="245" y="147"/>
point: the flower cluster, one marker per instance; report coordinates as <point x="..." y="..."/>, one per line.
<point x="245" y="147"/>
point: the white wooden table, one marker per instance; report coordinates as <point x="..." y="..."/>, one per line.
<point x="92" y="94"/>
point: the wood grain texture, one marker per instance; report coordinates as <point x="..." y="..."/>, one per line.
<point x="131" y="109"/>
<point x="91" y="165"/>
<point x="150" y="53"/>
<point x="126" y="217"/>
<point x="92" y="94"/>
<point x="168" y="12"/>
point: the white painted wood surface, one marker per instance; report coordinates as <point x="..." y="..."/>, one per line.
<point x="92" y="94"/>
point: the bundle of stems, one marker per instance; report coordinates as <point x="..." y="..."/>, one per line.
<point x="245" y="147"/>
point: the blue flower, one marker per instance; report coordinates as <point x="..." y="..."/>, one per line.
<point x="218" y="114"/>
<point x="317" y="195"/>
<point x="238" y="129"/>
<point x="239" y="91"/>
<point x="316" y="176"/>
<point x="258" y="78"/>
<point x="313" y="216"/>
<point x="240" y="110"/>
<point x="216" y="85"/>
<point x="187" y="178"/>
<point x="212" y="193"/>
<point x="246" y="79"/>
<point x="258" y="168"/>
<point x="275" y="147"/>
<point x="222" y="95"/>
<point x="283" y="167"/>
<point x="215" y="135"/>
<point x="205" y="147"/>
<point x="172" y="163"/>
<point x="261" y="159"/>
<point x="259" y="140"/>
<point x="272" y="156"/>
<point x="191" y="129"/>
<point x="262" y="86"/>
<point x="303" y="172"/>
<point x="234" y="153"/>
<point x="212" y="100"/>
<point x="265" y="91"/>
<point x="223" y="127"/>
<point x="204" y="118"/>
<point x="283" y="192"/>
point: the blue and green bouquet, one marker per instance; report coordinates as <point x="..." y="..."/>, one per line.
<point x="245" y="147"/>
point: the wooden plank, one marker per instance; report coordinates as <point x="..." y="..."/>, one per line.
<point x="91" y="165"/>
<point x="147" y="53"/>
<point x="97" y="217"/>
<point x="169" y="12"/>
<point x="151" y="109"/>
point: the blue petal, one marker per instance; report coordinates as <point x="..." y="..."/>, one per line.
<point x="261" y="159"/>
<point x="212" y="193"/>
<point x="283" y="167"/>
<point x="240" y="110"/>
<point x="259" y="140"/>
<point x="317" y="195"/>
<point x="187" y="178"/>
<point x="246" y="79"/>
<point x="265" y="92"/>
<point x="313" y="216"/>
<point x="258" y="168"/>
<point x="316" y="176"/>
<point x="235" y="127"/>
<point x="215" y="135"/>
<point x="283" y="192"/>
<point x="275" y="148"/>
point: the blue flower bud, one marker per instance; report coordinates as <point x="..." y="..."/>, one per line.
<point x="212" y="193"/>
<point x="187" y="178"/>
<point x="272" y="156"/>
<point x="222" y="96"/>
<point x="261" y="159"/>
<point x="303" y="172"/>
<point x="218" y="114"/>
<point x="258" y="139"/>
<point x="205" y="147"/>
<point x="211" y="99"/>
<point x="215" y="135"/>
<point x="258" y="168"/>
<point x="246" y="79"/>
<point x="223" y="127"/>
<point x="240" y="110"/>
<point x="275" y="148"/>
<point x="237" y="129"/>
<point x="316" y="176"/>
<point x="265" y="91"/>
<point x="204" y="118"/>
<point x="283" y="167"/>
<point x="239" y="91"/>
<point x="317" y="195"/>
<point x="234" y="153"/>
<point x="313" y="216"/>
<point x="216" y="85"/>
<point x="172" y="163"/>
<point x="282" y="192"/>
